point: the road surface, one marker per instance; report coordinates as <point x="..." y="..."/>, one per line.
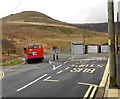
<point x="72" y="76"/>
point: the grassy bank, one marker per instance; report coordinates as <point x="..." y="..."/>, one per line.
<point x="13" y="61"/>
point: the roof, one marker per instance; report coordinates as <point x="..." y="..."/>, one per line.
<point x="32" y="44"/>
<point x="77" y="43"/>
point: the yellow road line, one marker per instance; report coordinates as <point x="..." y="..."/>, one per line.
<point x="50" y="80"/>
<point x="67" y="68"/>
<point x="81" y="65"/>
<point x="93" y="92"/>
<point x="100" y="65"/>
<point x="88" y="91"/>
<point x="86" y="65"/>
<point x="92" y="65"/>
<point x="47" y="78"/>
<point x="105" y="75"/>
<point x="59" y="72"/>
<point x="87" y="84"/>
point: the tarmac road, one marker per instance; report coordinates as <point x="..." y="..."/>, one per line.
<point x="71" y="76"/>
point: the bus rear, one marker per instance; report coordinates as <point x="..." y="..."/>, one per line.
<point x="33" y="53"/>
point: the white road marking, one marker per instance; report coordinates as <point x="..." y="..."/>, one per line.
<point x="65" y="62"/>
<point x="31" y="82"/>
<point x="50" y="62"/>
<point x="54" y="68"/>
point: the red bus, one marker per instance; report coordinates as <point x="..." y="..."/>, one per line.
<point x="34" y="52"/>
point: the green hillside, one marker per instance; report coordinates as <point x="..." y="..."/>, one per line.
<point x="31" y="16"/>
<point x="31" y="27"/>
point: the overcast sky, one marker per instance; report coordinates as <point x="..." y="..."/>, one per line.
<point x="71" y="11"/>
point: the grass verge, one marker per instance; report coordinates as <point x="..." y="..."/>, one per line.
<point x="13" y="61"/>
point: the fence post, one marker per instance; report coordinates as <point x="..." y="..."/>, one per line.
<point x="53" y="56"/>
<point x="56" y="55"/>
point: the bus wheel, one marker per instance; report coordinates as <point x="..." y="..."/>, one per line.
<point x="40" y="60"/>
<point x="29" y="62"/>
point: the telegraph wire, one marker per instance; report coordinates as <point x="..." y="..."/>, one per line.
<point x="16" y="6"/>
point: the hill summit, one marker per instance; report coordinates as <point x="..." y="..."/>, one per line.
<point x="31" y="16"/>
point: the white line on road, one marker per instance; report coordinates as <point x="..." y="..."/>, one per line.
<point x="31" y="82"/>
<point x="50" y="62"/>
<point x="54" y="68"/>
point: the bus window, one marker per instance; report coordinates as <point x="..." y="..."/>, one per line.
<point x="34" y="46"/>
<point x="32" y="53"/>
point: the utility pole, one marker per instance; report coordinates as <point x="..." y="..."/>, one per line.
<point x="117" y="49"/>
<point x="84" y="42"/>
<point x="84" y="37"/>
<point x="111" y="32"/>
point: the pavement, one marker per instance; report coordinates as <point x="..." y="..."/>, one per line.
<point x="115" y="91"/>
